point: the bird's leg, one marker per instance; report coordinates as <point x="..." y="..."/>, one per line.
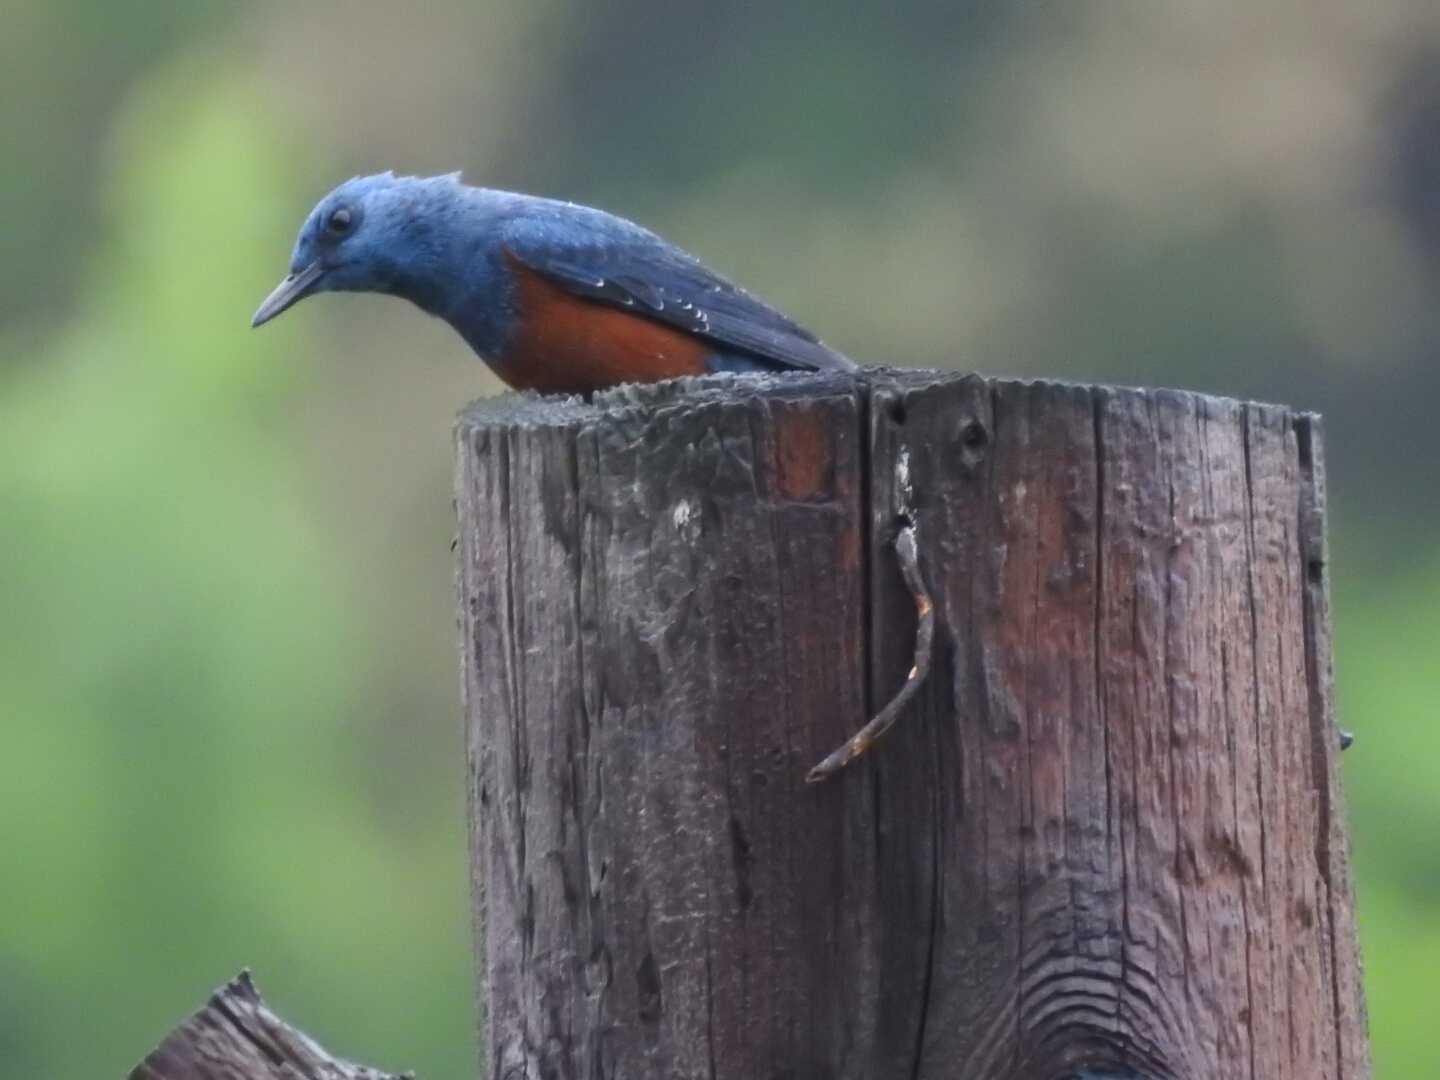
<point x="909" y="556"/>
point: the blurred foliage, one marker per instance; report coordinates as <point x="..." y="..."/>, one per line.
<point x="228" y="674"/>
<point x="180" y="800"/>
<point x="1387" y="640"/>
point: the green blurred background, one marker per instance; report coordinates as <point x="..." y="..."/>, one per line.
<point x="227" y="665"/>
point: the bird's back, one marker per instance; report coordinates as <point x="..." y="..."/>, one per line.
<point x="673" y="311"/>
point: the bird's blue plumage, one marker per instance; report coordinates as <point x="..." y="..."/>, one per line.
<point x="463" y="253"/>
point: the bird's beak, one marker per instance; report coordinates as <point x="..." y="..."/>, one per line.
<point x="293" y="289"/>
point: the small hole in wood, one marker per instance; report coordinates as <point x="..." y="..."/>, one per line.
<point x="897" y="411"/>
<point x="973" y="435"/>
<point x="901" y="521"/>
<point x="1316" y="569"/>
<point x="647" y="986"/>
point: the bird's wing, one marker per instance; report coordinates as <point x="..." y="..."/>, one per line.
<point x="615" y="262"/>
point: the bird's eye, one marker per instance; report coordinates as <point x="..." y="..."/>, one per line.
<point x="339" y="221"/>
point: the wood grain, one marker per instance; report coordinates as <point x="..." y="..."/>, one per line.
<point x="1107" y="838"/>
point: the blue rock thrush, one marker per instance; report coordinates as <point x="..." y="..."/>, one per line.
<point x="555" y="297"/>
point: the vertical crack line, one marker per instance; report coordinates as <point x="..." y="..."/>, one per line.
<point x="1027" y="839"/>
<point x="1310" y="535"/>
<point x="865" y="396"/>
<point x="987" y="723"/>
<point x="1315" y="612"/>
<point x="937" y="849"/>
<point x="932" y="931"/>
<point x="1127" y="931"/>
<point x="512" y="668"/>
<point x="1244" y="889"/>
<point x="1171" y="547"/>
<point x="1097" y="406"/>
<point x="1255" y="658"/>
<point x="590" y="940"/>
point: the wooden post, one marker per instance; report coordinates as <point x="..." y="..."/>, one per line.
<point x="1105" y="839"/>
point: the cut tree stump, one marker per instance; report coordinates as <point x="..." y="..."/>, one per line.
<point x="1106" y="838"/>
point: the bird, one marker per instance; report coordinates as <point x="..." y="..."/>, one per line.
<point x="556" y="297"/>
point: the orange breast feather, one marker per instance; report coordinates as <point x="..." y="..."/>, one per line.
<point x="566" y="344"/>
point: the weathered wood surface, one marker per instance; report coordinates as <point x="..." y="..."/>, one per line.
<point x="1107" y="838"/>
<point x="235" y="1036"/>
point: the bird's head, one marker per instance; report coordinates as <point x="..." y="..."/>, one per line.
<point x="371" y="234"/>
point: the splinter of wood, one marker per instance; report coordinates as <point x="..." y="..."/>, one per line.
<point x="909" y="558"/>
<point x="236" y="1037"/>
